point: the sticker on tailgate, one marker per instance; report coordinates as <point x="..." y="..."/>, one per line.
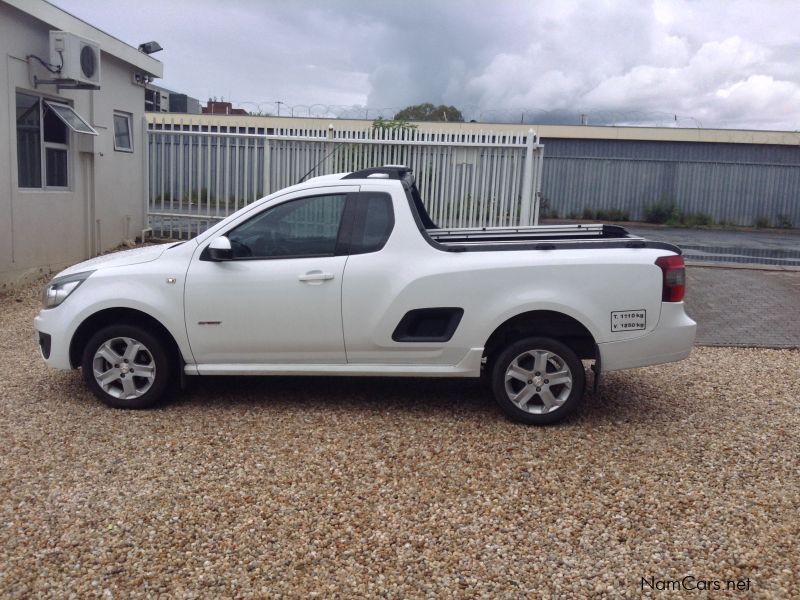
<point x="629" y="320"/>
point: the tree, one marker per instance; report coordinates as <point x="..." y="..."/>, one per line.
<point x="429" y="112"/>
<point x="399" y="124"/>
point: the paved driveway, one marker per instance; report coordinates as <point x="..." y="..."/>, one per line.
<point x="744" y="307"/>
<point x="773" y="247"/>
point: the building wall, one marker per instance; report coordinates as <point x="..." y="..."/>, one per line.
<point x="181" y="103"/>
<point x="156" y="100"/>
<point x="731" y="182"/>
<point x="42" y="231"/>
<point x="119" y="176"/>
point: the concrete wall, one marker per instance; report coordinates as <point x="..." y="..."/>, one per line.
<point x="45" y="230"/>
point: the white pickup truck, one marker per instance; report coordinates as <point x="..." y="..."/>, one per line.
<point x="347" y="275"/>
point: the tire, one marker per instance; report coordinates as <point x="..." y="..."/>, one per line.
<point x="528" y="362"/>
<point x="126" y="366"/>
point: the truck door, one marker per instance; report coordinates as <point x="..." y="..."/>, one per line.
<point x="279" y="299"/>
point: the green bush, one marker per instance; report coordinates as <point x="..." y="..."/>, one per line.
<point x="667" y="213"/>
<point x="674" y="220"/>
<point x="573" y="216"/>
<point x="761" y="222"/>
<point x="697" y="220"/>
<point x="606" y="214"/>
<point x="661" y="212"/>
<point x="784" y="222"/>
<point x="617" y="214"/>
<point x="546" y="210"/>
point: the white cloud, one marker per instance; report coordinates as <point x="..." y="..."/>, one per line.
<point x="728" y="63"/>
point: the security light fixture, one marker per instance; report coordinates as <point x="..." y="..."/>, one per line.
<point x="150" y="47"/>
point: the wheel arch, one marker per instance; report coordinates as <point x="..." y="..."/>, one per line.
<point x="119" y="316"/>
<point x="547" y="323"/>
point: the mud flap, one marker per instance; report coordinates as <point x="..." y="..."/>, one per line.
<point x="596" y="368"/>
<point x="183" y="380"/>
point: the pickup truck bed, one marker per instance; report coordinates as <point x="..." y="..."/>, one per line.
<point x="539" y="237"/>
<point x="542" y="237"/>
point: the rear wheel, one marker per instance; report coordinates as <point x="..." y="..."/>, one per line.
<point x="538" y="381"/>
<point x="126" y="366"/>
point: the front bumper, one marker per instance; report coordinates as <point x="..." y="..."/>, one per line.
<point x="671" y="341"/>
<point x="53" y="339"/>
<point x="44" y="344"/>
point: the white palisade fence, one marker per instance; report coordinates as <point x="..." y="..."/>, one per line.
<point x="199" y="173"/>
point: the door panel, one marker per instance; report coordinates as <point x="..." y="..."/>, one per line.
<point x="279" y="299"/>
<point x="266" y="311"/>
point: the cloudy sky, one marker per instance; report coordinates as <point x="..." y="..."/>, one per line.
<point x="720" y="63"/>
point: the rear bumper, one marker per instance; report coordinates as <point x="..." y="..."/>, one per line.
<point x="669" y="342"/>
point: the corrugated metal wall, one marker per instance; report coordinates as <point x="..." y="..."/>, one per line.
<point x="737" y="183"/>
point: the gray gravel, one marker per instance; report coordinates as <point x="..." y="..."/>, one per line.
<point x="400" y="488"/>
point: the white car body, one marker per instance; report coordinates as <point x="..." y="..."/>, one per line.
<point x="336" y="315"/>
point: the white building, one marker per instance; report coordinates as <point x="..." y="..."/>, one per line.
<point x="72" y="139"/>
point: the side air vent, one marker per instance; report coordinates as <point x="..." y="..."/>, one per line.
<point x="428" y="325"/>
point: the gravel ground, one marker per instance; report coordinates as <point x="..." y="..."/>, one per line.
<point x="406" y="488"/>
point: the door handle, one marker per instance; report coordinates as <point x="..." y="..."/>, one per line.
<point x="315" y="277"/>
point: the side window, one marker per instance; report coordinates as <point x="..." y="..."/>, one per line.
<point x="302" y="227"/>
<point x="123" y="141"/>
<point x="374" y="221"/>
<point x="29" y="140"/>
<point x="56" y="139"/>
<point x="43" y="136"/>
<point x="42" y="139"/>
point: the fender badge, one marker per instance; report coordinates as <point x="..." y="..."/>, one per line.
<point x="209" y="322"/>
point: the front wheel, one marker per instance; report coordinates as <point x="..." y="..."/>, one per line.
<point x="126" y="366"/>
<point x="538" y="381"/>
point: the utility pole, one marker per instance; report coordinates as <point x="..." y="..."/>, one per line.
<point x="278" y="104"/>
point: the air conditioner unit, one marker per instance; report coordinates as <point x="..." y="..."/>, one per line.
<point x="78" y="58"/>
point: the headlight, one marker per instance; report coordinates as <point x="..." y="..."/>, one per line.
<point x="58" y="289"/>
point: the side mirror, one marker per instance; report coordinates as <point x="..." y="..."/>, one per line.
<point x="220" y="249"/>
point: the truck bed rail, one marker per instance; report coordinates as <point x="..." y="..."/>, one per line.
<point x="511" y="235"/>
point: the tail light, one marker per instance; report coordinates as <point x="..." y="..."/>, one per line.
<point x="674" y="271"/>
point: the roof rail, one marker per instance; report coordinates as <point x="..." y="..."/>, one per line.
<point x="388" y="171"/>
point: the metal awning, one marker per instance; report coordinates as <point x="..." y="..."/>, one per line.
<point x="71" y="119"/>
